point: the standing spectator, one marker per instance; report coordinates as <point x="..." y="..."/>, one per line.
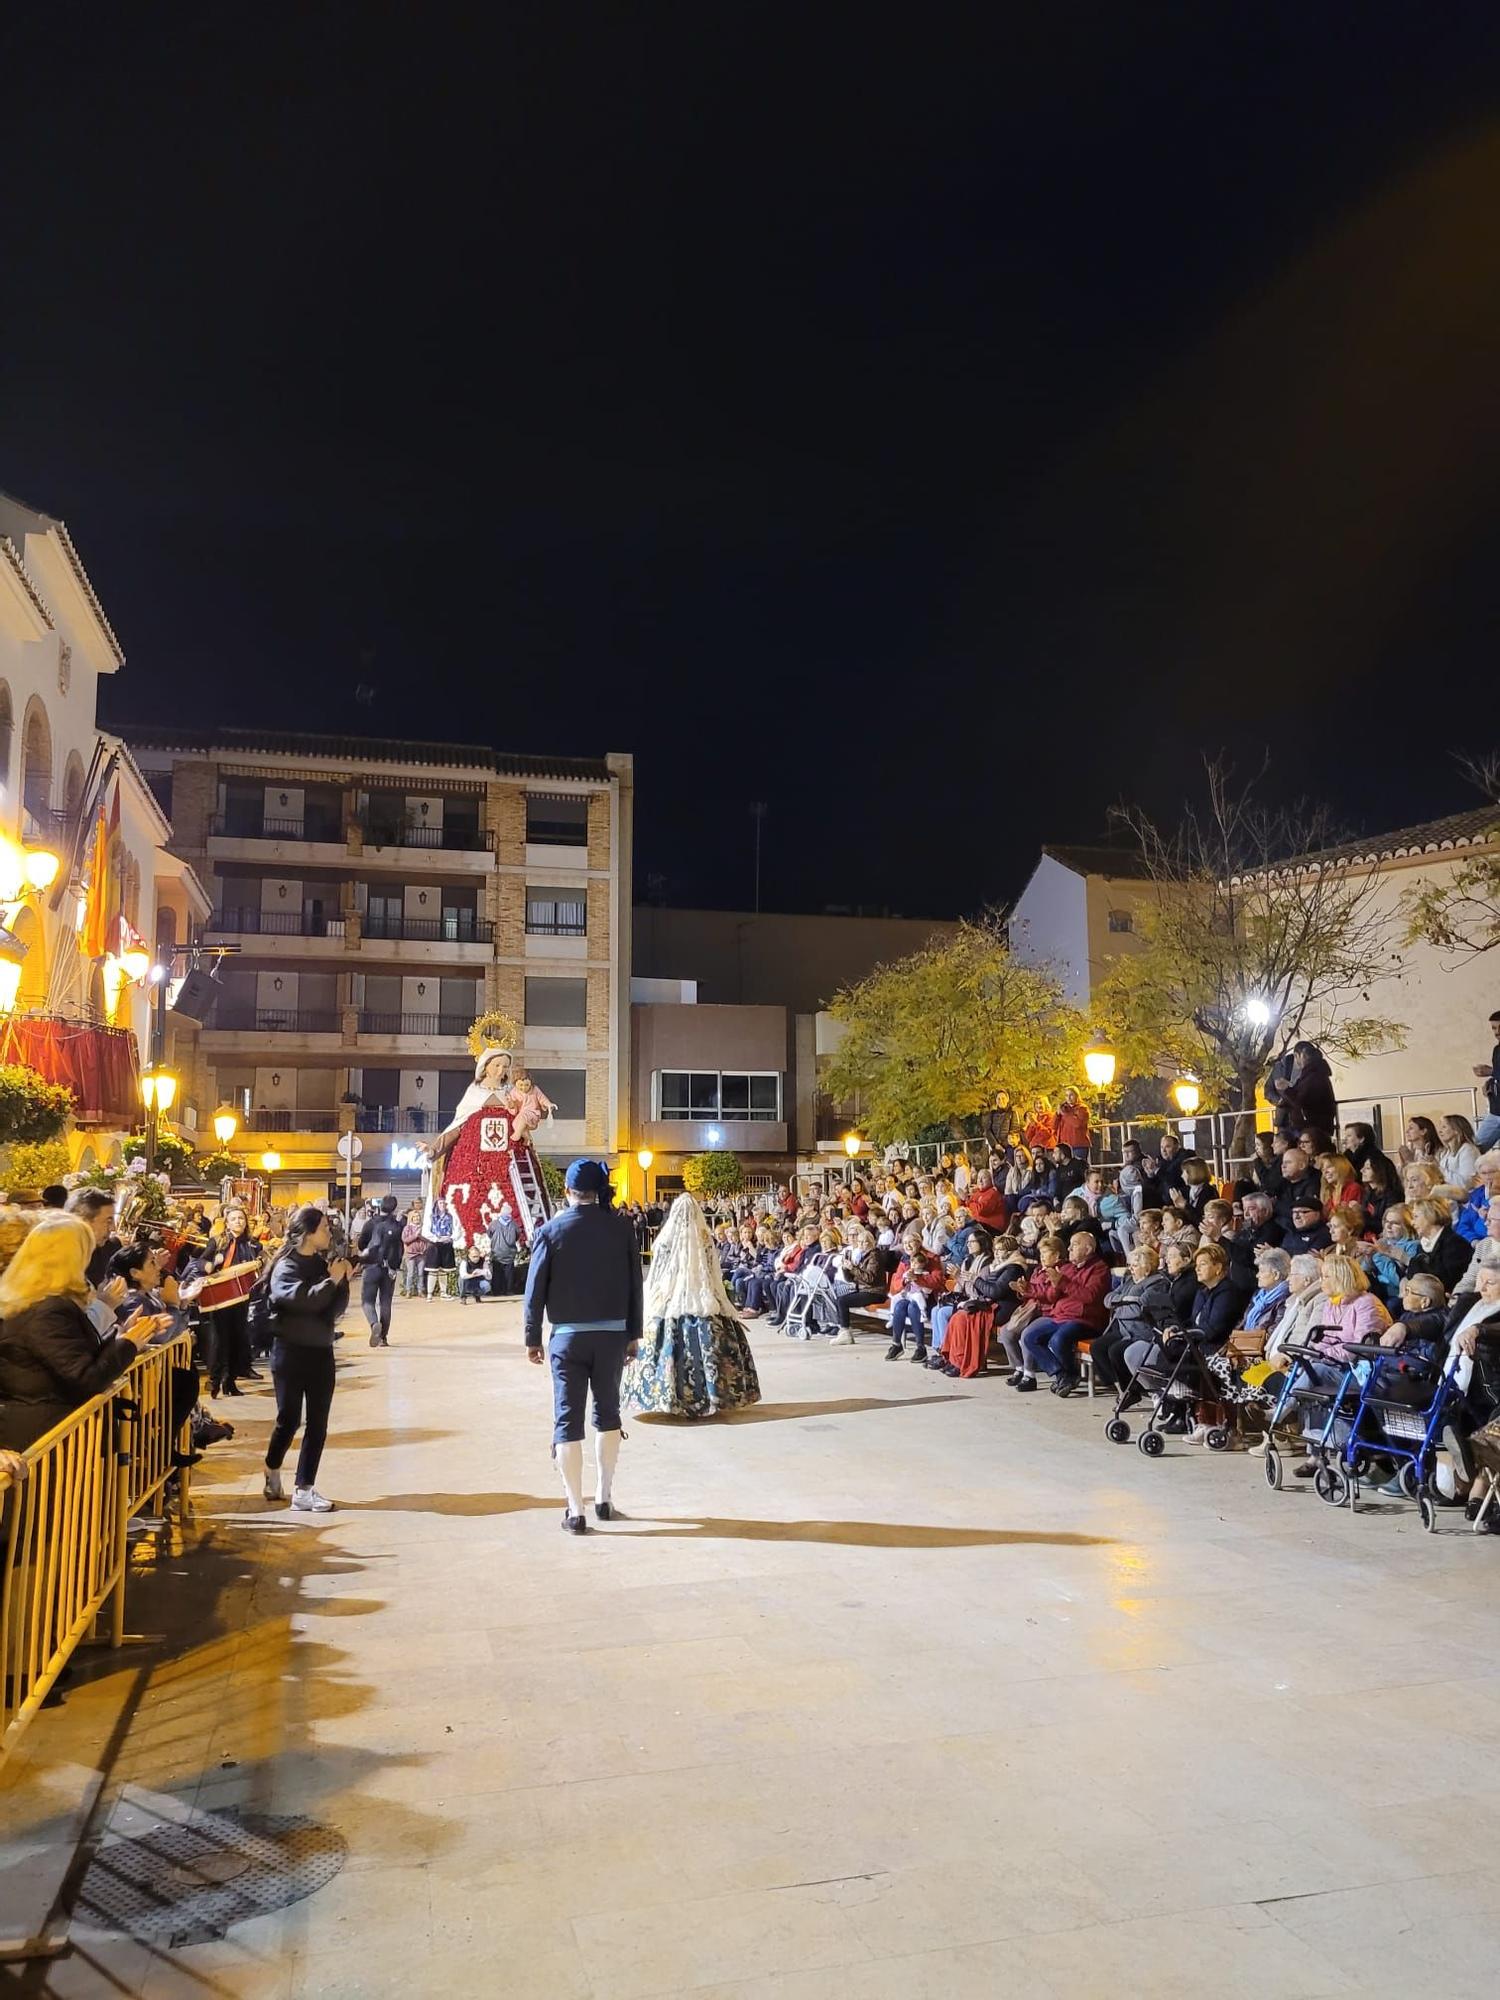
<point x="504" y="1239"/>
<point x="1307" y="1101"/>
<point x="1073" y="1124"/>
<point x="1489" y="1075"/>
<point x="1040" y="1131"/>
<point x="413" y="1249"/>
<point x="309" y="1295"/>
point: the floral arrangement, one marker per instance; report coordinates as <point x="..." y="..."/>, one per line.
<point x="493" y="1030"/>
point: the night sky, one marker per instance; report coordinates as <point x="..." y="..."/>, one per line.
<point x="937" y="423"/>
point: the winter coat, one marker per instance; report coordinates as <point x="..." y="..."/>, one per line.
<point x="1447" y="1259"/>
<point x="52" y="1361"/>
<point x="306" y="1303"/>
<point x="1307" y="1102"/>
<point x="988" y="1207"/>
<point x="1141" y="1302"/>
<point x="1072" y="1125"/>
<point x="1081" y="1292"/>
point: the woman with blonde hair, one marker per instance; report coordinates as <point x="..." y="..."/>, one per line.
<point x="51" y="1358"/>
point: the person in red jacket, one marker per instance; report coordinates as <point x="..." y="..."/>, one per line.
<point x="1040" y="1133"/>
<point x="1050" y="1345"/>
<point x="916" y="1287"/>
<point x="1073" y="1124"/>
<point x="986" y="1204"/>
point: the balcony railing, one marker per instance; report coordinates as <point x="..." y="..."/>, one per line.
<point x="557" y="927"/>
<point x="416" y="1024"/>
<point x="399" y="1118"/>
<point x="234" y="826"/>
<point x="265" y="1120"/>
<point x="448" y="839"/>
<point x="276" y="1020"/>
<point x="277" y="923"/>
<point x="456" y="927"/>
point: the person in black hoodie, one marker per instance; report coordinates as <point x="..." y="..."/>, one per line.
<point x="308" y="1297"/>
<point x="1299" y="1183"/>
<point x="378" y="1247"/>
<point x="1307" y="1099"/>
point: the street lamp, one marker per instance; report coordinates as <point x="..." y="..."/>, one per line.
<point x="852" y="1144"/>
<point x="41" y="868"/>
<point x="644" y="1158"/>
<point x="270" y="1161"/>
<point x="226" y="1123"/>
<point x="135" y="961"/>
<point x="1257" y="1013"/>
<point x="159" y="1089"/>
<point x="1099" y="1065"/>
<point x="25" y="868"/>
<point x="1188" y="1095"/>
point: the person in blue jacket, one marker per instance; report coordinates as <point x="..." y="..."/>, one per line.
<point x="585" y="1276"/>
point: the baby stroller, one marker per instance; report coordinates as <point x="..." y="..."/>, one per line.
<point x="1173" y="1375"/>
<point x="812" y="1307"/>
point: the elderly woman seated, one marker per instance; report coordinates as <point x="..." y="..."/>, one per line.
<point x="1440" y="1249"/>
<point x="1215" y="1309"/>
<point x="1139" y="1308"/>
<point x="984" y="1292"/>
<point x="1473" y="1439"/>
<point x="1351" y="1313"/>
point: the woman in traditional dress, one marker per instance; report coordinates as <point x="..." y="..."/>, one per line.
<point x="694" y="1359"/>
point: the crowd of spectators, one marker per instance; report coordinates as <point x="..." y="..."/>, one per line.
<point x="1051" y="1259"/>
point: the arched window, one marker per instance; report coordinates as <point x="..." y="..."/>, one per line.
<point x="7" y="731"/>
<point x="73" y="789"/>
<point x="36" y="764"/>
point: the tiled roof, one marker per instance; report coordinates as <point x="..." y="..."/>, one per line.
<point x="32" y="520"/>
<point x="1465" y="829"/>
<point x="360" y="750"/>
<point x="1122" y="864"/>
<point x="26" y="580"/>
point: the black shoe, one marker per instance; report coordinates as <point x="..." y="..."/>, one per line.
<point x="1012" y="1380"/>
<point x="574" y="1524"/>
<point x="1064" y="1385"/>
<point x="604" y="1511"/>
<point x="949" y="1369"/>
<point x="1306" y="1470"/>
<point x="1027" y="1382"/>
<point x="919" y="1356"/>
<point x="232" y="1389"/>
<point x="893" y="1352"/>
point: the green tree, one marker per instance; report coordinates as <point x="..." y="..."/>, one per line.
<point x="37" y="1163"/>
<point x="1258" y="931"/>
<point x="930" y="1039"/>
<point x="30" y="1106"/>
<point x="713" y="1173"/>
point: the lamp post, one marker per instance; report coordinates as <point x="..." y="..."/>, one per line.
<point x="159" y="1093"/>
<point x="1187" y="1095"/>
<point x="643" y="1160"/>
<point x="851" y="1154"/>
<point x="1099" y="1065"/>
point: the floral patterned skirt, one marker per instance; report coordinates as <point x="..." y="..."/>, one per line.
<point x="691" y="1367"/>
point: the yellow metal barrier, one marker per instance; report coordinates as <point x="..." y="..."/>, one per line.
<point x="64" y="1527"/>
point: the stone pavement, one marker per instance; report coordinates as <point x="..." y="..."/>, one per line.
<point x="895" y="1688"/>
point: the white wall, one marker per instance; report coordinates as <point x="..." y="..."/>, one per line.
<point x="1049" y="927"/>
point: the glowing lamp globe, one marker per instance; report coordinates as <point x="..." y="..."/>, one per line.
<point x="41" y="868"/>
<point x="644" y="1158"/>
<point x="1188" y="1095"/>
<point x="270" y="1161"/>
<point x="12" y="871"/>
<point x="851" y="1144"/>
<point x="1099" y="1065"/>
<point x="135" y="961"/>
<point x="159" y="1088"/>
<point x="1257" y="1013"/>
<point x="226" y="1124"/>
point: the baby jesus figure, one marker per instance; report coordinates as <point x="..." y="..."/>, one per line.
<point x="529" y="1106"/>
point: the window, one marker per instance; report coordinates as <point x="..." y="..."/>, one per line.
<point x="1121" y="920"/>
<point x="565" y="1087"/>
<point x="557" y="822"/>
<point x="36" y="764"/>
<point x="7" y="731"/>
<point x="749" y="1097"/>
<point x="556" y="913"/>
<point x="557" y="1003"/>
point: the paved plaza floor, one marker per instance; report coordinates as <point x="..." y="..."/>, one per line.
<point x="894" y="1688"/>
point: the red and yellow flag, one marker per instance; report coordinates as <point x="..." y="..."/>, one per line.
<point x="101" y="928"/>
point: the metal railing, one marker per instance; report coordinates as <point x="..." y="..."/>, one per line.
<point x="456" y="927"/>
<point x="445" y="839"/>
<point x="416" y="1024"/>
<point x="276" y="1020"/>
<point x="229" y="826"/>
<point x="64" y="1527"/>
<point x="277" y="923"/>
<point x="399" y="1118"/>
<point x="557" y="927"/>
<point x="281" y="1119"/>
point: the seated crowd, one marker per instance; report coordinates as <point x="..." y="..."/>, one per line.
<point x="1322" y="1239"/>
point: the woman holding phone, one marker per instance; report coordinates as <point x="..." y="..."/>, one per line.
<point x="309" y="1295"/>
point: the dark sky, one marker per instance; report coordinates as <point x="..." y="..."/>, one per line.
<point x="935" y="422"/>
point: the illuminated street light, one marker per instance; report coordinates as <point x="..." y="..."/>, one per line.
<point x="41" y="868"/>
<point x="135" y="961"/>
<point x="644" y="1158"/>
<point x="852" y="1144"/>
<point x="1099" y="1065"/>
<point x="1257" y="1013"/>
<point x="158" y="1089"/>
<point x="226" y="1123"/>
<point x="1188" y="1095"/>
<point x="270" y="1161"/>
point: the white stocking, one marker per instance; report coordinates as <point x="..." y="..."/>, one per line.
<point x="570" y="1470"/>
<point x="606" y="1453"/>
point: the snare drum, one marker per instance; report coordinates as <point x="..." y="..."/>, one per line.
<point x="227" y="1288"/>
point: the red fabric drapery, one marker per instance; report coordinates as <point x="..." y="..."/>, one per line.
<point x="99" y="1065"/>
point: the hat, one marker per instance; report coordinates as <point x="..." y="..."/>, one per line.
<point x="1309" y="1202"/>
<point x="586" y="1177"/>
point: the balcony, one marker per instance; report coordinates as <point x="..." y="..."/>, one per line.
<point x="415" y="1024"/>
<point x="440" y="839"/>
<point x="399" y="1118"/>
<point x="236" y="826"/>
<point x="277" y="923"/>
<point x="275" y="1021"/>
<point x="453" y="927"/>
<point x="264" y="1120"/>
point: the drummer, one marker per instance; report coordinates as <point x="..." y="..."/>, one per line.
<point x="226" y="1332"/>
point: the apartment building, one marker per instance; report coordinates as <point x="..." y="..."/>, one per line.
<point x="382" y="895"/>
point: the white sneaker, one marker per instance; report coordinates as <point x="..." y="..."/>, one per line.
<point x="272" y="1487"/>
<point x="1197" y="1435"/>
<point x="308" y="1500"/>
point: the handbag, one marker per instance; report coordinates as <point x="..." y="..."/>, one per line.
<point x="1023" y="1315"/>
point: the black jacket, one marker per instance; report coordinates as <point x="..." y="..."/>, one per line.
<point x="306" y="1304"/>
<point x="1307" y="1103"/>
<point x="51" y="1362"/>
<point x="1216" y="1312"/>
<point x="1298" y="1242"/>
<point x="379" y="1242"/>
<point x="584" y="1266"/>
<point x="1307" y="1186"/>
<point x="1447" y="1260"/>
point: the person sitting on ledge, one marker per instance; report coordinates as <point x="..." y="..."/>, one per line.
<point x="1050" y="1344"/>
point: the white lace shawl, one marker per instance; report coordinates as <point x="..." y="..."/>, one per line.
<point x="684" y="1277"/>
